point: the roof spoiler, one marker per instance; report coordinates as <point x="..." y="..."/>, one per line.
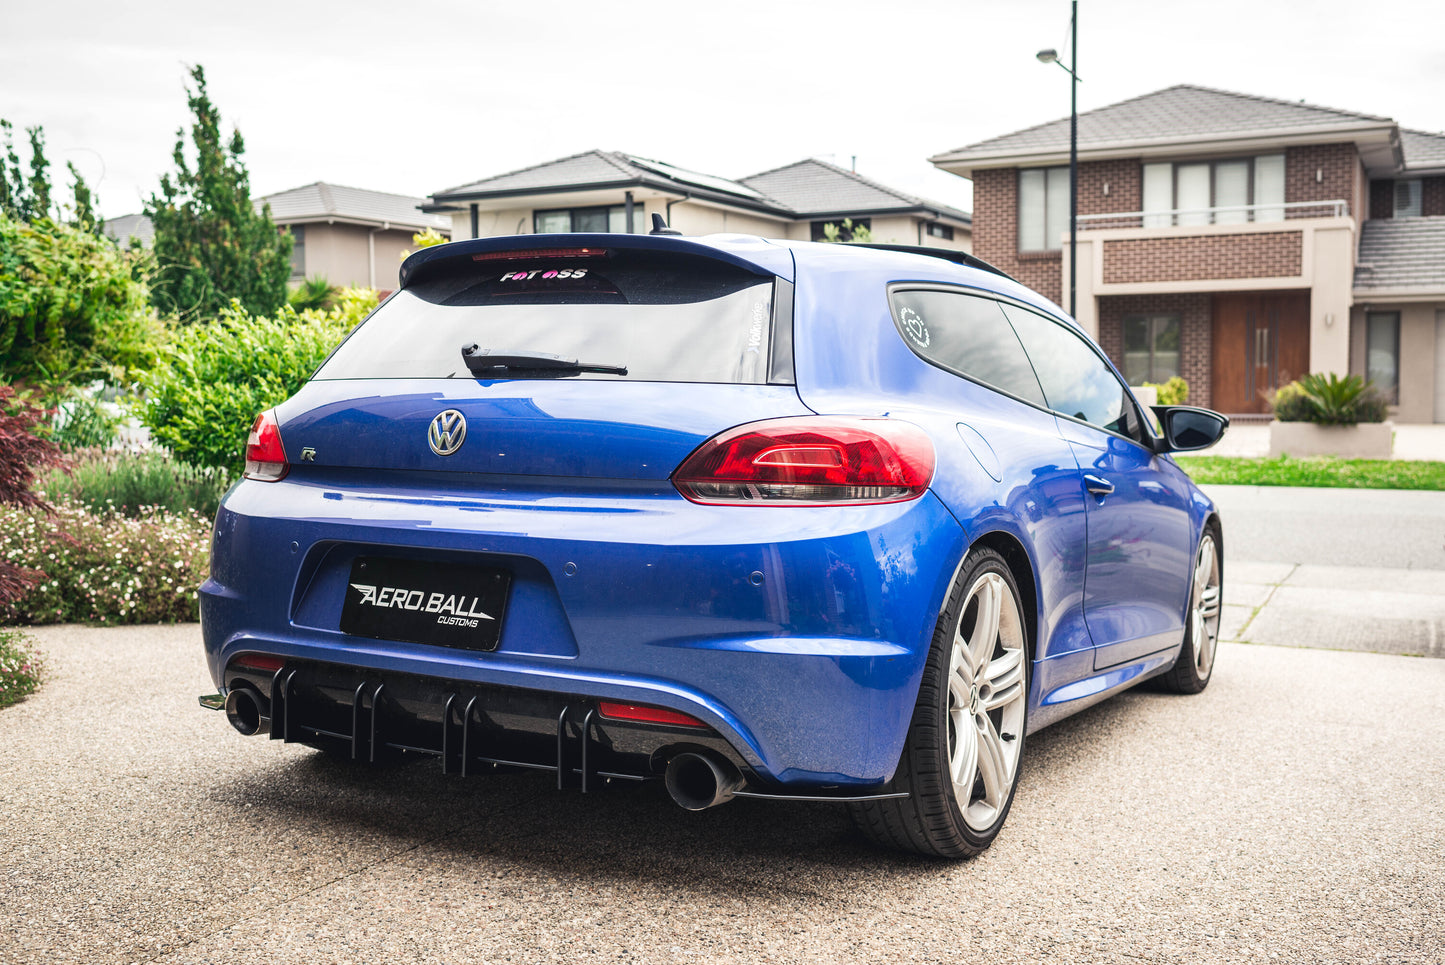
<point x="762" y="258"/>
<point x="947" y="254"/>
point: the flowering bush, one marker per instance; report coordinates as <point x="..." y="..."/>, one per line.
<point x="104" y="568"/>
<point x="19" y="668"/>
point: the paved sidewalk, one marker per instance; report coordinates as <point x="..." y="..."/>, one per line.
<point x="1335" y="607"/>
<point x="1338" y="569"/>
<point x="1413" y="442"/>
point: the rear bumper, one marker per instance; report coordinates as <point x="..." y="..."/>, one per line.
<point x="797" y="635"/>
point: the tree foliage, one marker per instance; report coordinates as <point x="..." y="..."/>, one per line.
<point x="212" y="246"/>
<point x="27" y="197"/>
<point x="72" y="305"/>
<point x="201" y="401"/>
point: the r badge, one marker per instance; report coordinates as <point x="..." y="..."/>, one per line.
<point x="447" y="432"/>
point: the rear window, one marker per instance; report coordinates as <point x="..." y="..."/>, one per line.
<point x="664" y="317"/>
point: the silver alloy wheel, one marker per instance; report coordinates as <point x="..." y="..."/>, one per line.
<point x="986" y="701"/>
<point x="1204" y="608"/>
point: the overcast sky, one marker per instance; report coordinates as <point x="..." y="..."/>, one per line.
<point x="417" y="97"/>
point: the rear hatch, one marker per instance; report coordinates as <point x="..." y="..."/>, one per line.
<point x="591" y="356"/>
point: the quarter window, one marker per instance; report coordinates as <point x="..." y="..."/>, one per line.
<point x="966" y="335"/>
<point x="1043" y="208"/>
<point x="1075" y="380"/>
<point x="1151" y="348"/>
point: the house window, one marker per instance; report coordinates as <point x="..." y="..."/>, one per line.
<point x="936" y="230"/>
<point x="298" y="252"/>
<point x="603" y="220"/>
<point x="1382" y="353"/>
<point x="1407" y="199"/>
<point x="1043" y="208"/>
<point x="1151" y="348"/>
<point x="1249" y="189"/>
<point x="845" y="231"/>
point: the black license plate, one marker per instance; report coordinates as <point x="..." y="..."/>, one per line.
<point x="421" y="602"/>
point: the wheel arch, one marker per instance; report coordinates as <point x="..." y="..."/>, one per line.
<point x="1021" y="566"/>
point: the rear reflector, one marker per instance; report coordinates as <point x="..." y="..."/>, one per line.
<point x="531" y="254"/>
<point x="816" y="460"/>
<point x="646" y="715"/>
<point x="265" y="456"/>
<point x="259" y="661"/>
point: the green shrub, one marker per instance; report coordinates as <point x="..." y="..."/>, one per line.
<point x="106" y="569"/>
<point x="314" y="294"/>
<point x="20" y="668"/>
<point x="1336" y="400"/>
<point x="71" y="305"/>
<point x="81" y="419"/>
<point x="200" y="402"/>
<point x="1291" y="404"/>
<point x="1329" y="400"/>
<point x="131" y="484"/>
<point x="1173" y="392"/>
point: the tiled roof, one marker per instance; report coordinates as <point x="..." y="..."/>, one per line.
<point x="1423" y="149"/>
<point x="320" y="201"/>
<point x="817" y="187"/>
<point x="795" y="190"/>
<point x="125" y="227"/>
<point x="595" y="168"/>
<point x="589" y="167"/>
<point x="1401" y="253"/>
<point x="1184" y="111"/>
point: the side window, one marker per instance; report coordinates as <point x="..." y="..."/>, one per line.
<point x="966" y="335"/>
<point x="1076" y="381"/>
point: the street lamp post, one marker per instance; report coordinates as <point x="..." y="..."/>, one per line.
<point x="1051" y="56"/>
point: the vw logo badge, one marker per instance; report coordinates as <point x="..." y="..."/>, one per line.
<point x="447" y="433"/>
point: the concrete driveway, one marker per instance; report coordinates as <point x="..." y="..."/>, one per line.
<point x="1290" y="813"/>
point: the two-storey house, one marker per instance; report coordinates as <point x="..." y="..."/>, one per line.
<point x="1237" y="241"/>
<point x="609" y="191"/>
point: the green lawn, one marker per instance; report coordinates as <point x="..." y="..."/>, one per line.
<point x="1318" y="472"/>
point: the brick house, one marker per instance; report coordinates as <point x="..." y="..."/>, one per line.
<point x="1235" y="240"/>
<point x="614" y="192"/>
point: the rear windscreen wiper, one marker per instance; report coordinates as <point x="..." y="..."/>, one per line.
<point x="486" y="361"/>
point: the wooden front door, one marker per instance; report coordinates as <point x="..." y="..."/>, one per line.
<point x="1260" y="343"/>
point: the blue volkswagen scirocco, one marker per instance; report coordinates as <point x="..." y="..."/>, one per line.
<point x="754" y="518"/>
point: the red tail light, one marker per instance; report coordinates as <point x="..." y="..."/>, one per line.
<point x="265" y="457"/>
<point x="810" y="461"/>
<point x="268" y="662"/>
<point x="647" y="715"/>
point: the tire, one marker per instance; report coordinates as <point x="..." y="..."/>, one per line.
<point x="1195" y="664"/>
<point x="968" y="721"/>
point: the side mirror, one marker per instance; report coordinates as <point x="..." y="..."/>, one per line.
<point x="1187" y="428"/>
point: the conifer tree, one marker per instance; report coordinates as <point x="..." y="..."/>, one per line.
<point x="211" y="244"/>
<point x="84" y="217"/>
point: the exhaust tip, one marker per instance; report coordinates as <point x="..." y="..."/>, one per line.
<point x="243" y="711"/>
<point x="698" y="782"/>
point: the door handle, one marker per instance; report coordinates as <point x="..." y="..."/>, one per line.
<point x="1097" y="485"/>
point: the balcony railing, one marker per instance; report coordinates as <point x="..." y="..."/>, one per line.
<point x="1225" y="215"/>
